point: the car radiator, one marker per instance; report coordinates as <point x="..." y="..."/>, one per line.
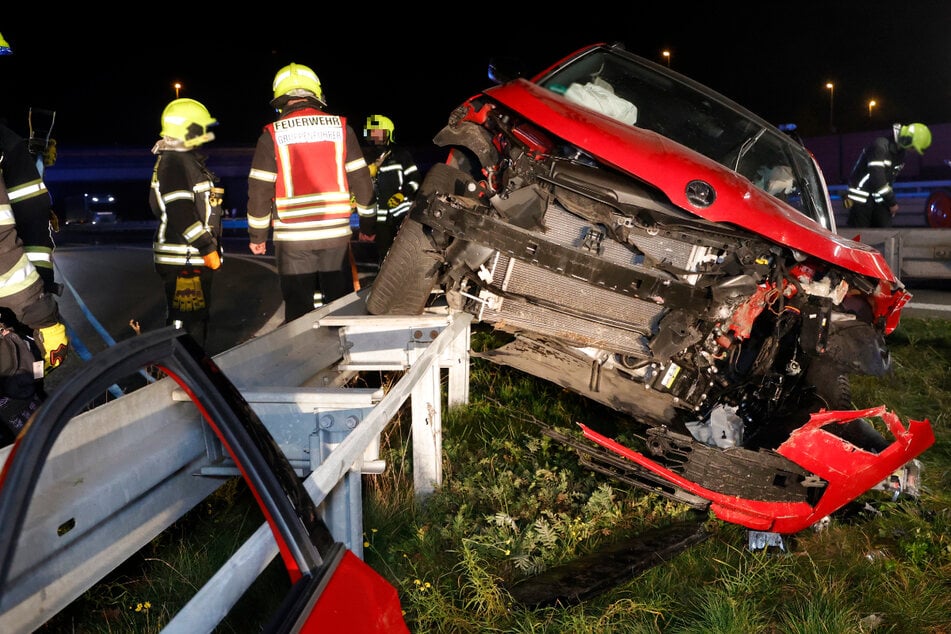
<point x="537" y="298"/>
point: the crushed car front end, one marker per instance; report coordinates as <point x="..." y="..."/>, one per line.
<point x="657" y="248"/>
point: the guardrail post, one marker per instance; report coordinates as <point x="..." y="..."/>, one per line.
<point x="426" y="407"/>
<point x="891" y="250"/>
<point x="343" y="507"/>
<point x="397" y="342"/>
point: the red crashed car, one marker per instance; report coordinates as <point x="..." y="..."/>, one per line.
<point x="655" y="247"/>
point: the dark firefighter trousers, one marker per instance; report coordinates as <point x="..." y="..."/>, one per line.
<point x="305" y="270"/>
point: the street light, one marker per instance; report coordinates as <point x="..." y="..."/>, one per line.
<point x="178" y="87"/>
<point x="831" y="88"/>
<point x="871" y="104"/>
<point x="666" y="55"/>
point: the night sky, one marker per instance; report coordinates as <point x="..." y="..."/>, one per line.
<point x="109" y="84"/>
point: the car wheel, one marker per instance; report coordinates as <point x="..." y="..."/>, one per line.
<point x="412" y="266"/>
<point x="407" y="275"/>
<point x="832" y="385"/>
<point x="834" y="389"/>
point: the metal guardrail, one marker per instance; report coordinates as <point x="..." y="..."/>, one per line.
<point x="913" y="254"/>
<point x="125" y="471"/>
<point x="912" y="249"/>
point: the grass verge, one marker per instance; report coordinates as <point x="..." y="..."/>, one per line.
<point x="514" y="503"/>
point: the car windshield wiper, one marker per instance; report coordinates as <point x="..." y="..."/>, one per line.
<point x="746" y="147"/>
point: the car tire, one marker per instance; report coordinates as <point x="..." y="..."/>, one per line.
<point x="834" y="389"/>
<point x="411" y="268"/>
<point x="408" y="273"/>
<point x="832" y="385"/>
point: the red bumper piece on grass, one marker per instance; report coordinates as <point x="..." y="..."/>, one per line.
<point x="847" y="470"/>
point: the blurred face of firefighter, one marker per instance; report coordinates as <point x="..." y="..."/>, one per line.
<point x="378" y="130"/>
<point x="378" y="136"/>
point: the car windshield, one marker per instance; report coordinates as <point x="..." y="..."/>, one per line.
<point x="649" y="96"/>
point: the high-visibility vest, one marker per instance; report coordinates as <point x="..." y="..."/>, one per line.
<point x="312" y="193"/>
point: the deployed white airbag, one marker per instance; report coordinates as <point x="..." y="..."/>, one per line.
<point x="598" y="97"/>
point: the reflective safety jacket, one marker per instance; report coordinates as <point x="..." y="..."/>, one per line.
<point x="187" y="204"/>
<point x="305" y="167"/>
<point x="30" y="201"/>
<point x="874" y="173"/>
<point x="21" y="287"/>
<point x="396" y="181"/>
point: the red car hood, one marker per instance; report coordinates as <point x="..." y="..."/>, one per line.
<point x="670" y="167"/>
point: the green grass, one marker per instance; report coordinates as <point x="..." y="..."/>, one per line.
<point x="513" y="503"/>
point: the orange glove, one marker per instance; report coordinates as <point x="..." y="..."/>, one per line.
<point x="212" y="260"/>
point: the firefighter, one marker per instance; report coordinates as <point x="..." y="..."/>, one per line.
<point x="31" y="203"/>
<point x="307" y="174"/>
<point x="33" y="337"/>
<point x="395" y="178"/>
<point x="187" y="203"/>
<point x="870" y="199"/>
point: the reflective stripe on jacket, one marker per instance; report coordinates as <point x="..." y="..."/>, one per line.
<point x="21" y="288"/>
<point x="181" y="197"/>
<point x="874" y="172"/>
<point x="397" y="174"/>
<point x="29" y="199"/>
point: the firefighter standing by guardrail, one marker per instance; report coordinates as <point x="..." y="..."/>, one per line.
<point x="187" y="204"/>
<point x="870" y="199"/>
<point x="395" y="178"/>
<point x="307" y="173"/>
